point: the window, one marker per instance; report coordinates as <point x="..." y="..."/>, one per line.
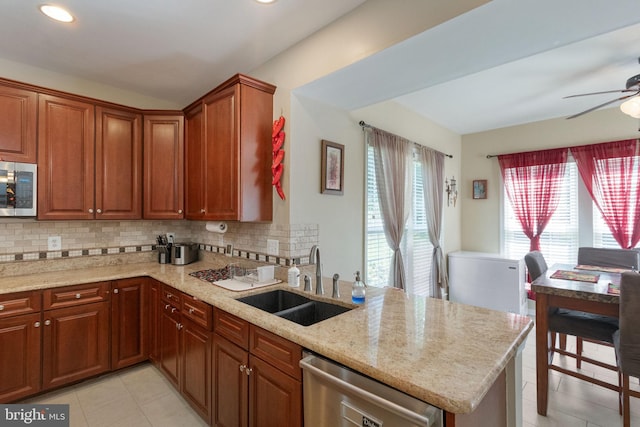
<point x="415" y="246"/>
<point x="562" y="237"/>
<point x="559" y="241"/>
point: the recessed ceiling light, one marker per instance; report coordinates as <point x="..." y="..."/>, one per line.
<point x="266" y="1"/>
<point x="56" y="13"/>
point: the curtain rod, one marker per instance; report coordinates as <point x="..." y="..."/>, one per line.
<point x="365" y="125"/>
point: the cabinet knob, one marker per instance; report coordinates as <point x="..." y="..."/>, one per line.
<point x="248" y="371"/>
<point x="191" y="310"/>
<point x="47" y="322"/>
<point x="242" y="368"/>
<point x="179" y="326"/>
<point x="99" y="211"/>
<point x="202" y="211"/>
<point x="1" y="307"/>
<point x="179" y="211"/>
<point x="90" y="210"/>
<point x="78" y="296"/>
<point x="169" y="296"/>
<point x="115" y="291"/>
<point x="36" y="325"/>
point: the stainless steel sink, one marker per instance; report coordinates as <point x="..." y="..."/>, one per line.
<point x="294" y="307"/>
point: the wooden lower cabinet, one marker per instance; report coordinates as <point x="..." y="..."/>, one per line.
<point x="169" y="357"/>
<point x="153" y="320"/>
<point x="20" y="367"/>
<point x="230" y="384"/>
<point x="75" y="343"/>
<point x="248" y="390"/>
<point x="128" y="322"/>
<point x="196" y="368"/>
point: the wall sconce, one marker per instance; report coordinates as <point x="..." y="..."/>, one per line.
<point x="452" y="191"/>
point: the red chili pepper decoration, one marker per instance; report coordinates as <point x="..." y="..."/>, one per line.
<point x="277" y="168"/>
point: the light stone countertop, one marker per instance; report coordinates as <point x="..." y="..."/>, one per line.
<point x="443" y="353"/>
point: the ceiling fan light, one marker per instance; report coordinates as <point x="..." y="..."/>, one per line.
<point x="631" y="107"/>
<point x="57" y="13"/>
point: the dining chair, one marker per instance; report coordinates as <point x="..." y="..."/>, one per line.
<point x="627" y="339"/>
<point x="605" y="257"/>
<point x="584" y="326"/>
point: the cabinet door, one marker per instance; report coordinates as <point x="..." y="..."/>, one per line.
<point x="128" y="322"/>
<point x="230" y="388"/>
<point x="19" y="357"/>
<point x="118" y="164"/>
<point x="18" y="114"/>
<point x="275" y="398"/>
<point x="221" y="155"/>
<point x="154" y="320"/>
<point x="196" y="368"/>
<point x="163" y="167"/>
<point x="65" y="159"/>
<point x="75" y="343"/>
<point x="194" y="179"/>
<point x="170" y="344"/>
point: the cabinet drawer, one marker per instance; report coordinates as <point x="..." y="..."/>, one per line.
<point x="20" y="303"/>
<point x="279" y="352"/>
<point x="198" y="311"/>
<point x="69" y="296"/>
<point x="171" y="295"/>
<point x="231" y="327"/>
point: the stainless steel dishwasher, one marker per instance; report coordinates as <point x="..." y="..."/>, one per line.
<point x="335" y="396"/>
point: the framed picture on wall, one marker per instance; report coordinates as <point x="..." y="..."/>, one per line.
<point x="479" y="188"/>
<point x="332" y="168"/>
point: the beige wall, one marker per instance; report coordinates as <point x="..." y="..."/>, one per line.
<point x="481" y="225"/>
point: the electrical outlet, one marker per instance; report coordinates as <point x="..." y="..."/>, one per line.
<point x="170" y="238"/>
<point x="54" y="243"/>
<point x="273" y="247"/>
<point x="229" y="250"/>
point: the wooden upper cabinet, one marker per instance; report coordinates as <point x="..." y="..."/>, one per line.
<point x="66" y="152"/>
<point x="163" y="167"/>
<point x="118" y="191"/>
<point x="235" y="152"/>
<point x="194" y="179"/>
<point x="18" y="121"/>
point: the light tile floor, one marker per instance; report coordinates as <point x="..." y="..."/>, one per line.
<point x="134" y="397"/>
<point x="140" y="397"/>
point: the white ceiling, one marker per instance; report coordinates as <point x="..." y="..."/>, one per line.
<point x="508" y="62"/>
<point x="172" y="50"/>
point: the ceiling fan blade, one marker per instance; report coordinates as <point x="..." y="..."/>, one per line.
<point x="604" y="104"/>
<point x="600" y="93"/>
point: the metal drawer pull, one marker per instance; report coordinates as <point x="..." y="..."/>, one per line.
<point x="242" y="368"/>
<point x="191" y="310"/>
<point x="179" y="326"/>
<point x="248" y="371"/>
<point x="47" y="322"/>
<point x="1" y="307"/>
<point x="166" y="307"/>
<point x="169" y="295"/>
<point x="115" y="291"/>
<point x="173" y="309"/>
<point x="78" y="296"/>
<point x="36" y="325"/>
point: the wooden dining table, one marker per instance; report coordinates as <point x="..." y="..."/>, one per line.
<point x="579" y="295"/>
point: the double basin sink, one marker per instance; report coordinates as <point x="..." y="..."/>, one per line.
<point x="294" y="307"/>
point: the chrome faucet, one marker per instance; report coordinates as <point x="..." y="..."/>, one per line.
<point x="336" y="287"/>
<point x="314" y="258"/>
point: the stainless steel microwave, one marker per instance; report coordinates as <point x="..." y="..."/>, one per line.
<point x="18" y="189"/>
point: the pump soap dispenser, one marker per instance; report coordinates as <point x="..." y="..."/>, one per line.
<point x="358" y="290"/>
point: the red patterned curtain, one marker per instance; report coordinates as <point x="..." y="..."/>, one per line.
<point x="532" y="181"/>
<point x="610" y="171"/>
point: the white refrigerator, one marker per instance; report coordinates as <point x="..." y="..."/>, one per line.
<point x="487" y="280"/>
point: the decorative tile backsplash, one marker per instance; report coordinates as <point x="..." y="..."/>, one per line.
<point x="27" y="240"/>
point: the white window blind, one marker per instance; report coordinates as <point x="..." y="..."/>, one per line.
<point x="415" y="246"/>
<point x="559" y="241"/>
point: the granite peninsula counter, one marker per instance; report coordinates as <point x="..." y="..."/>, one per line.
<point x="443" y="353"/>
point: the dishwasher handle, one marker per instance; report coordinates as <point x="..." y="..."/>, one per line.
<point x="381" y="402"/>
